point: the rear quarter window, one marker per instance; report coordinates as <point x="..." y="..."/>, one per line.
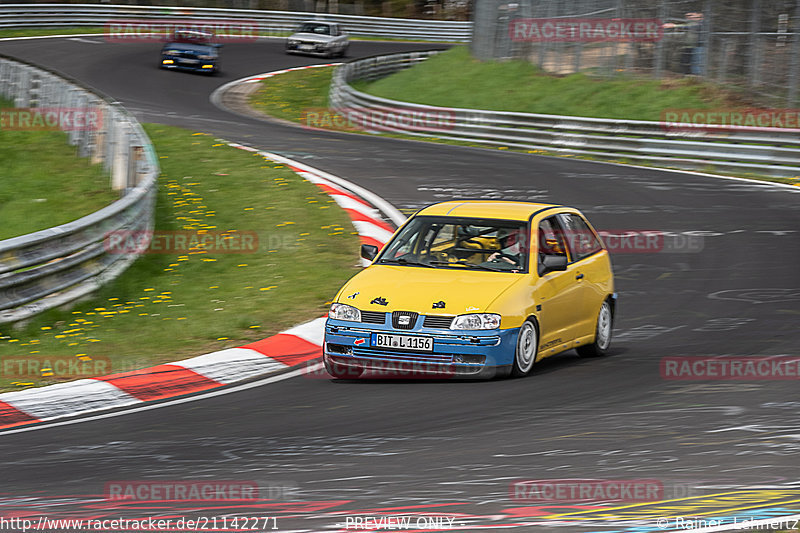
<point x="582" y="241"/>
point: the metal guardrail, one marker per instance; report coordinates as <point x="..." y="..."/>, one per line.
<point x="270" y="22"/>
<point x="770" y="151"/>
<point x="55" y="266"/>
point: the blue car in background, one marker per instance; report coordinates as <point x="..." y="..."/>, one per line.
<point x="191" y="50"/>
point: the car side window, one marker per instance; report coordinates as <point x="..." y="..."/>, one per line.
<point x="582" y="241"/>
<point x="551" y="238"/>
<point x="334" y="30"/>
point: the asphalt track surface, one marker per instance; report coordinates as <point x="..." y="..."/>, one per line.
<point x="349" y="449"/>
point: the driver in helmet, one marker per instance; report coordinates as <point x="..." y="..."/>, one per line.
<point x="511" y="247"/>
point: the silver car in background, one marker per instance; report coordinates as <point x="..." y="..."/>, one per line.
<point x="319" y="38"/>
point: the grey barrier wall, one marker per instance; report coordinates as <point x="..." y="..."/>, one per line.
<point x="55" y="266"/>
<point x="766" y="151"/>
<point x="269" y="22"/>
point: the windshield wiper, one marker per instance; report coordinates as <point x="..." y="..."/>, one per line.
<point x="468" y="265"/>
<point x="402" y="261"/>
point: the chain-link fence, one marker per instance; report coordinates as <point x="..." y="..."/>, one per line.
<point x="750" y="43"/>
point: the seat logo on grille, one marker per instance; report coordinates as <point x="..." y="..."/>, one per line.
<point x="404" y="320"/>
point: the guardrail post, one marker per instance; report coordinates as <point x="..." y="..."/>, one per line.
<point x="110" y="128"/>
<point x="21" y="99"/>
<point x="98" y="136"/>
<point x="119" y="165"/>
<point x="84" y="140"/>
<point x="71" y="130"/>
<point x="35" y="90"/>
<point x="4" y="81"/>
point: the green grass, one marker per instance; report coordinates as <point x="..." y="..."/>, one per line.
<point x="293" y="95"/>
<point x="44" y="183"/>
<point x="35" y="32"/>
<point x="171" y="306"/>
<point x="454" y="79"/>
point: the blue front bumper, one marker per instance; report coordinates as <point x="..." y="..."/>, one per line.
<point x="455" y="352"/>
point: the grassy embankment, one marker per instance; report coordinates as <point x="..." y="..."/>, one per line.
<point x="170" y="306"/>
<point x="454" y="79"/>
<point x="44" y="183"/>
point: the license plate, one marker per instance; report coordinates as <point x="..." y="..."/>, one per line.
<point x="189" y="61"/>
<point x="402" y="342"/>
<point x="306" y="47"/>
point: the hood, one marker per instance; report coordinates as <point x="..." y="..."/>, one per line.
<point x="189" y="47"/>
<point x="407" y="288"/>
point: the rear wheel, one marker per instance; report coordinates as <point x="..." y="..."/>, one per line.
<point x="527" y="347"/>
<point x="602" y="334"/>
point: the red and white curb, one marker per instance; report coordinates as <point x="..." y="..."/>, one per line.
<point x="258" y="77"/>
<point x="285" y="350"/>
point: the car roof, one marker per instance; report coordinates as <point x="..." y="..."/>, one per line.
<point x="499" y="209"/>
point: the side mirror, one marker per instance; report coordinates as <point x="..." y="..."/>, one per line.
<point x="369" y="251"/>
<point x="552" y="263"/>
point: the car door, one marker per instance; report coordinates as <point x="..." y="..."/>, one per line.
<point x="591" y="270"/>
<point x="557" y="293"/>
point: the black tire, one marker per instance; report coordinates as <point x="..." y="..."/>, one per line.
<point x="342" y="371"/>
<point x="602" y="333"/>
<point x="526" y="349"/>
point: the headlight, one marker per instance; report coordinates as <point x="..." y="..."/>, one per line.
<point x="293" y="42"/>
<point x="476" y="321"/>
<point x="344" y="312"/>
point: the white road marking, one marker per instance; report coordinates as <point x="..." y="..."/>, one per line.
<point x="203" y="396"/>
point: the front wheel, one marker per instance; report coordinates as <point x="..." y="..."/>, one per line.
<point x="602" y="334"/>
<point x="527" y="347"/>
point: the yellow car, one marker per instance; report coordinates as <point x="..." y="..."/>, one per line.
<point x="474" y="289"/>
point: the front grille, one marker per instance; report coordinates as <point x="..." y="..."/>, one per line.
<point x="438" y="321"/>
<point x="400" y="322"/>
<point x="373" y="317"/>
<point x="382" y="354"/>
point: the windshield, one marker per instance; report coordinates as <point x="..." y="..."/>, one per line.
<point x="463" y="243"/>
<point x="319" y="29"/>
